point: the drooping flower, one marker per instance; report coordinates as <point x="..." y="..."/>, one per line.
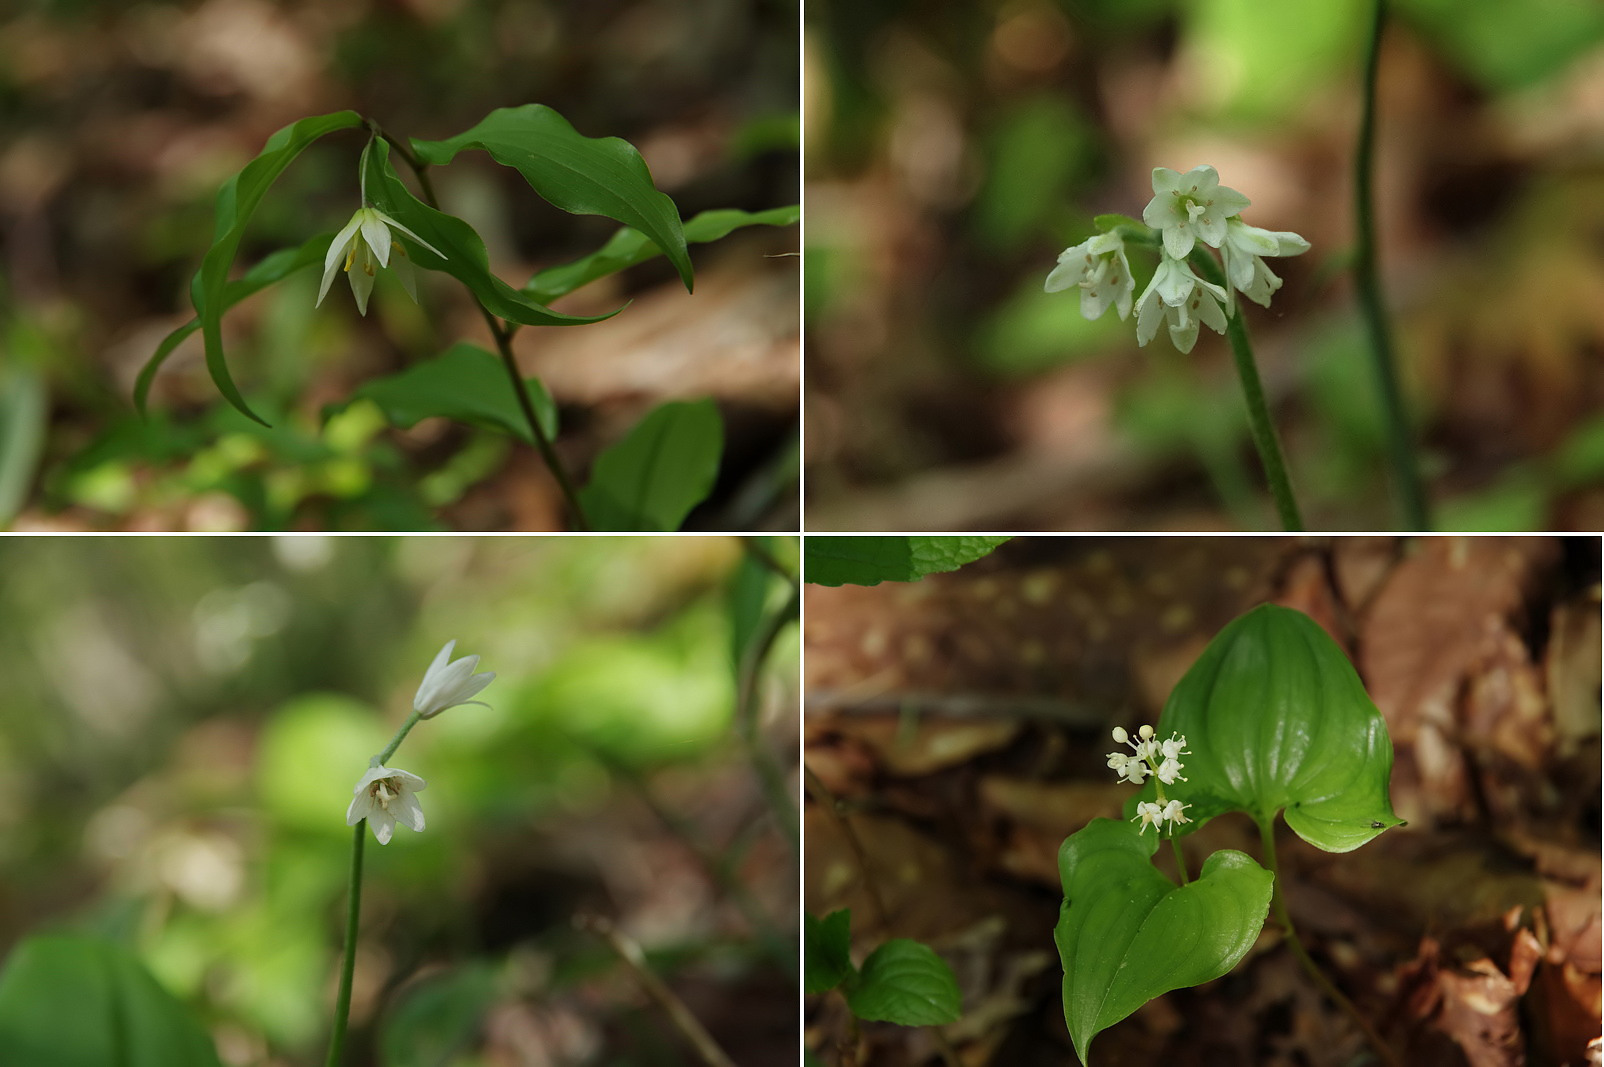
<point x="364" y="239"/>
<point x="448" y="683"/>
<point x="1191" y="207"/>
<point x="1243" y="248"/>
<point x="1179" y="299"/>
<point x="1098" y="267"/>
<point x="384" y="796"/>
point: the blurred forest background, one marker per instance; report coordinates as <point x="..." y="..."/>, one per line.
<point x="962" y="723"/>
<point x="185" y="718"/>
<point x="953" y="150"/>
<point x="118" y="122"/>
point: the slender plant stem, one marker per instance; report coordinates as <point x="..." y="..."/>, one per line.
<point x="1400" y="441"/>
<point x="353" y="912"/>
<point x="1279" y="905"/>
<point x="769" y="773"/>
<point x="502" y="332"/>
<point x="1180" y="860"/>
<point x="684" y="1021"/>
<point x="395" y="742"/>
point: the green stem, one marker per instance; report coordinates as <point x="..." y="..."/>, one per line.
<point x="1278" y="904"/>
<point x="1180" y="860"/>
<point x="770" y="775"/>
<point x="502" y="332"/>
<point x="1259" y="424"/>
<point x="1367" y="278"/>
<point x="395" y="742"/>
<point x="342" y="1006"/>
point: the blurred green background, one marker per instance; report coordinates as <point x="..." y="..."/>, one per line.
<point x="184" y="720"/>
<point x="954" y="149"/>
<point x="118" y="122"/>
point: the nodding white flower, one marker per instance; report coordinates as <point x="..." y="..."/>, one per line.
<point x="1191" y="207"/>
<point x="1098" y="267"/>
<point x="448" y="683"/>
<point x="1244" y="245"/>
<point x="366" y="238"/>
<point x="1179" y="299"/>
<point x="383" y="796"/>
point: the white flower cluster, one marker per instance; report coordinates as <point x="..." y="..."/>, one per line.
<point x="1185" y="209"/>
<point x="1162" y="760"/>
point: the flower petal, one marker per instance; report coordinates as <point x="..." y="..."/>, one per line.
<point x="376" y="235"/>
<point x="394" y="225"/>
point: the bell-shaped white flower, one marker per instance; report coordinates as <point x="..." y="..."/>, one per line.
<point x="1243" y="248"/>
<point x="1179" y="299"/>
<point x="364" y="241"/>
<point x="1099" y="268"/>
<point x="384" y="796"/>
<point x="1191" y="207"/>
<point x="448" y="683"/>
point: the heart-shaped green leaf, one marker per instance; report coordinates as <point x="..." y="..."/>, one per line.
<point x="906" y="983"/>
<point x="1275" y="718"/>
<point x="236" y="201"/>
<point x="465" y="258"/>
<point x="581" y="175"/>
<point x="464" y="383"/>
<point x="69" y="1001"/>
<point x="1127" y="934"/>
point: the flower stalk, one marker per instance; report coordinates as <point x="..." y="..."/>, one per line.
<point x="353" y="913"/>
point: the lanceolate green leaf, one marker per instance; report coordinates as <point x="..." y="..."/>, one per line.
<point x="236" y="201"/>
<point x="69" y="1001"/>
<point x="465" y="383"/>
<point x="1276" y="718"/>
<point x="1127" y="934"/>
<point x="628" y="247"/>
<point x="581" y="175"/>
<point x="906" y="983"/>
<point x="872" y="560"/>
<point x="667" y="465"/>
<point x="274" y="268"/>
<point x="465" y="255"/>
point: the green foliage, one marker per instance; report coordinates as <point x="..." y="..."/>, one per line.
<point x="70" y="1001"/>
<point x="902" y="981"/>
<point x="1507" y="46"/>
<point x="465" y="383"/>
<point x="1276" y="718"/>
<point x="872" y="560"/>
<point x="1127" y="934"/>
<point x="662" y="469"/>
<point x="581" y="175"/>
<point x="23" y="409"/>
<point x="628" y="247"/>
<point x="236" y="201"/>
<point x="437" y="1019"/>
<point x="465" y="258"/>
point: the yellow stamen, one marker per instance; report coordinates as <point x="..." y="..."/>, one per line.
<point x="350" y="253"/>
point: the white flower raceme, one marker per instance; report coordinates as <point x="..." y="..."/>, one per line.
<point x="448" y="683"/>
<point x="1191" y="207"/>
<point x="1162" y="759"/>
<point x="1098" y="267"/>
<point x="366" y="239"/>
<point x="1179" y="299"/>
<point x="1243" y="247"/>
<point x="384" y="796"/>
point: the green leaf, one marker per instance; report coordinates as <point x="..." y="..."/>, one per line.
<point x="581" y="175"/>
<point x="1276" y="718"/>
<point x="465" y="257"/>
<point x="628" y="247"/>
<point x="872" y="560"/>
<point x="665" y="467"/>
<point x="437" y="1019"/>
<point x="236" y="201"/>
<point x="826" y="951"/>
<point x="906" y="983"/>
<point x="465" y="383"/>
<point x="70" y="1001"/>
<point x="24" y="409"/>
<point x="1127" y="934"/>
<point x="274" y="268"/>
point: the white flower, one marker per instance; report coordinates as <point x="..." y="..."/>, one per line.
<point x="1175" y="747"/>
<point x="1120" y="736"/>
<point x="1150" y="814"/>
<point x="1135" y="771"/>
<point x="1170" y="770"/>
<point x="367" y="238"/>
<point x="447" y="684"/>
<point x="1172" y="813"/>
<point x="1099" y="268"/>
<point x="383" y="796"/>
<point x="1191" y="207"/>
<point x="1243" y="247"/>
<point x="1180" y="299"/>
